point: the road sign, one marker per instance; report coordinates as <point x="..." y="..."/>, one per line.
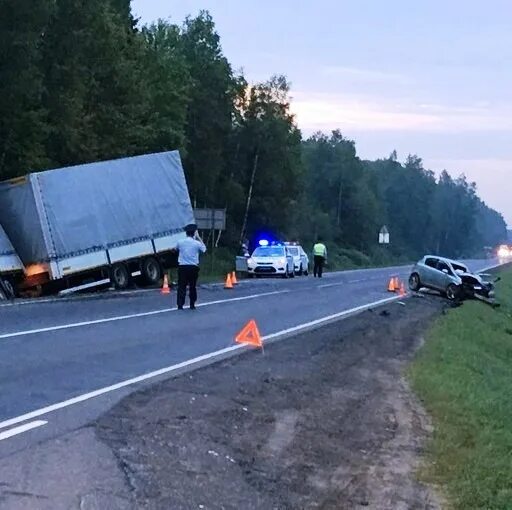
<point x="210" y="219"/>
<point x="384" y="235"/>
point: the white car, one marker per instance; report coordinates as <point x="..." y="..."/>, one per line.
<point x="271" y="260"/>
<point x="300" y="258"/>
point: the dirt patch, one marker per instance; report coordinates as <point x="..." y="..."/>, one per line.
<point x="325" y="420"/>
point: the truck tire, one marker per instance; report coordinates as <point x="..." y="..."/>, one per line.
<point x="151" y="271"/>
<point x="120" y="276"/>
<point x="8" y="289"/>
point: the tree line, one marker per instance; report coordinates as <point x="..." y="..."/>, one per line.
<point x="82" y="81"/>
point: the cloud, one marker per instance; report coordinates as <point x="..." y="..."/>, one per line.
<point x="368" y="75"/>
<point x="327" y="111"/>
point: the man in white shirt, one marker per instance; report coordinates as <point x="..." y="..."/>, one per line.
<point x="188" y="265"/>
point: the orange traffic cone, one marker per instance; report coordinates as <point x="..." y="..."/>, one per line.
<point x="402" y="290"/>
<point x="229" y="283"/>
<point x="397" y="284"/>
<point x="165" y="288"/>
<point x="234" y="281"/>
<point x="250" y="335"/>
<point x="391" y="285"/>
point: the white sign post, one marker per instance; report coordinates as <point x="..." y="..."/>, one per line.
<point x="384" y="235"/>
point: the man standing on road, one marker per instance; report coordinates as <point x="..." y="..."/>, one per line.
<point x="188" y="265"/>
<point x="319" y="257"/>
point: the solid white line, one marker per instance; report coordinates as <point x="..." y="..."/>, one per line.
<point x="22" y="428"/>
<point x="184" y="364"/>
<point x="132" y="316"/>
<point x="114" y="387"/>
<point x="329" y="318"/>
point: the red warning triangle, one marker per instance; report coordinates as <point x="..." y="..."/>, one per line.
<point x="250" y="335"/>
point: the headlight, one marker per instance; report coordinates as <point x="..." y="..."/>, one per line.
<point x="282" y="261"/>
<point x="250" y="262"/>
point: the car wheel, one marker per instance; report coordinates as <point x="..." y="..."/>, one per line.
<point x="453" y="292"/>
<point x="306" y="272"/>
<point x="301" y="271"/>
<point x="414" y="282"/>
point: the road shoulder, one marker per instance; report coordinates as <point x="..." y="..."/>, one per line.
<point x="323" y="420"/>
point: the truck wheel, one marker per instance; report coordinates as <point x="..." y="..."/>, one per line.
<point x="8" y="289"/>
<point x="151" y="271"/>
<point x="120" y="277"/>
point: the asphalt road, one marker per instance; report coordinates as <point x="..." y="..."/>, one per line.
<point x="54" y="353"/>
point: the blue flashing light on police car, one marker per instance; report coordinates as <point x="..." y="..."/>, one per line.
<point x="263" y="242"/>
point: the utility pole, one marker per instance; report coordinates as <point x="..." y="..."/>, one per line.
<point x="249" y="195"/>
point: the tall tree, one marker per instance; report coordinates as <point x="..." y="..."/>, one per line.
<point x="340" y="186"/>
<point x="169" y="83"/>
<point x="269" y="158"/>
<point x="211" y="108"/>
<point x="23" y="25"/>
<point x="96" y="96"/>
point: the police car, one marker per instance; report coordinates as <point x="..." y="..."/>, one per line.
<point x="271" y="259"/>
<point x="300" y="258"/>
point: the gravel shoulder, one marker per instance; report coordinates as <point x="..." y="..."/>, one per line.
<point x="325" y="420"/>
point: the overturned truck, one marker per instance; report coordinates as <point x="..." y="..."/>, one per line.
<point x="103" y="222"/>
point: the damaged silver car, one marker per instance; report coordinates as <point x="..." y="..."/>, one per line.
<point x="451" y="278"/>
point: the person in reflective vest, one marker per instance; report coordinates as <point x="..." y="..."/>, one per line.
<point x="319" y="258"/>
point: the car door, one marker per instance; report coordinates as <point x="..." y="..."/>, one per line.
<point x="290" y="262"/>
<point x="304" y="258"/>
<point x="429" y="274"/>
<point x="444" y="275"/>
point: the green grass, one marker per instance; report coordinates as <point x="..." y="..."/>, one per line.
<point x="463" y="374"/>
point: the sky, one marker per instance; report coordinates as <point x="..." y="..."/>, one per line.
<point x="431" y="77"/>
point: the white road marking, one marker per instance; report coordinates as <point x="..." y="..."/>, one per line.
<point x="132" y="316"/>
<point x="329" y="318"/>
<point x="22" y="428"/>
<point x="327" y="285"/>
<point x="190" y="363"/>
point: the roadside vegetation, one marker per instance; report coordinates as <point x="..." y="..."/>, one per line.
<point x="85" y="81"/>
<point x="463" y="374"/>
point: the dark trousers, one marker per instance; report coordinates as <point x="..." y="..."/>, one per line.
<point x="187" y="277"/>
<point x="318" y="266"/>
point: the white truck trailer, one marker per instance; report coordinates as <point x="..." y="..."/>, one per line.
<point x="103" y="222"/>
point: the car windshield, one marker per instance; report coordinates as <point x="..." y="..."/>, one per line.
<point x="294" y="251"/>
<point x="268" y="251"/>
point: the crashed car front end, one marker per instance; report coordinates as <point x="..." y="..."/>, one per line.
<point x="474" y="286"/>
